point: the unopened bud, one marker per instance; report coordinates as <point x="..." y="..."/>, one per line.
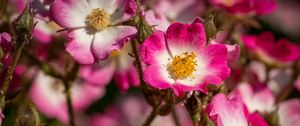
<point x="23" y="25"/>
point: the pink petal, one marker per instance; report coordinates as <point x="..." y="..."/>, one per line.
<point x="112" y="38"/>
<point x="226" y="111"/>
<point x="181" y="35"/>
<point x="289" y="113"/>
<point x="70" y="13"/>
<point x="79" y="46"/>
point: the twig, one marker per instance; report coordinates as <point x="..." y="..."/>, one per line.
<point x="175" y="117"/>
<point x="151" y="117"/>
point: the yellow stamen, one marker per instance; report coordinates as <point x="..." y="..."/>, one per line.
<point x="183" y="66"/>
<point x="98" y="19"/>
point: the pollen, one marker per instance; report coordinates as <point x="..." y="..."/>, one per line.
<point x="98" y="19"/>
<point x="183" y="66"/>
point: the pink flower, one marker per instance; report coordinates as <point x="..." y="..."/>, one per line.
<point x="181" y="60"/>
<point x="158" y="20"/>
<point x="48" y="95"/>
<point x="245" y="7"/>
<point x="289" y="113"/>
<point x="118" y="66"/>
<point x="176" y="9"/>
<point x="259" y="99"/>
<point x="270" y="51"/>
<point x="94" y="30"/>
<point x="230" y="111"/>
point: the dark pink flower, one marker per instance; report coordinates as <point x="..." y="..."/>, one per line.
<point x="245" y="7"/>
<point x="180" y="59"/>
<point x="271" y="51"/>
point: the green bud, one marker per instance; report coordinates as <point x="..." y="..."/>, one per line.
<point x="27" y="115"/>
<point x="23" y="25"/>
<point x="144" y="30"/>
<point x="210" y="27"/>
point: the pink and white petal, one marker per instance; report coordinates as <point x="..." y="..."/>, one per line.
<point x="109" y="5"/>
<point x="226" y="111"/>
<point x="112" y="38"/>
<point x="47" y="94"/>
<point x="79" y="46"/>
<point x="157" y="76"/>
<point x="70" y="13"/>
<point x="42" y="32"/>
<point x="216" y="69"/>
<point x="158" y="20"/>
<point x="185" y="36"/>
<point x="84" y="94"/>
<point x="262" y="100"/>
<point x="289" y="113"/>
<point x="104" y="70"/>
<point x="154" y="45"/>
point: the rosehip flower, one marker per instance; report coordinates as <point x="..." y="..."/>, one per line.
<point x="268" y="50"/>
<point x="181" y="60"/>
<point x="245" y="7"/>
<point x="47" y="93"/>
<point x="118" y="66"/>
<point x="261" y="99"/>
<point x="231" y="111"/>
<point x="289" y="113"/>
<point x="94" y="26"/>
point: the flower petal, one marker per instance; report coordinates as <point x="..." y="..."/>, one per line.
<point x="80" y="46"/>
<point x="112" y="38"/>
<point x="181" y="35"/>
<point x="70" y="13"/>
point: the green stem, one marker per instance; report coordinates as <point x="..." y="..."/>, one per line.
<point x="10" y="71"/>
<point x="69" y="103"/>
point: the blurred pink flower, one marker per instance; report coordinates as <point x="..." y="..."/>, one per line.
<point x="256" y="98"/>
<point x="230" y="111"/>
<point x="180" y="59"/>
<point x="133" y="111"/>
<point x="48" y="95"/>
<point x="158" y="20"/>
<point x="118" y="66"/>
<point x="94" y="26"/>
<point x="297" y="83"/>
<point x="177" y="10"/>
<point x="271" y="51"/>
<point x="245" y="7"/>
<point x="289" y="113"/>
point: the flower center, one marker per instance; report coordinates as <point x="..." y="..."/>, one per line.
<point x="98" y="19"/>
<point x="182" y="66"/>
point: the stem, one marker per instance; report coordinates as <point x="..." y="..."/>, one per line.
<point x="138" y="61"/>
<point x="151" y="117"/>
<point x="289" y="88"/>
<point x="10" y="71"/>
<point x="175" y="117"/>
<point x="69" y="103"/>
